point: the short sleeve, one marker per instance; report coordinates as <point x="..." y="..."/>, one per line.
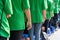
<point x="26" y="4"/>
<point x="8" y="7"/>
<point x="50" y="5"/>
<point x="56" y="6"/>
<point x="44" y="5"/>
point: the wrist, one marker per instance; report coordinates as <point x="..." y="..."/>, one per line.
<point x="29" y="20"/>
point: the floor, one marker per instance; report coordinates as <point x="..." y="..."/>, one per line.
<point x="55" y="36"/>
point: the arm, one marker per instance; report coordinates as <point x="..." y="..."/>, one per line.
<point x="26" y="9"/>
<point x="44" y="14"/>
<point x="28" y="16"/>
<point x="50" y="7"/>
<point x="44" y="7"/>
<point x="27" y="13"/>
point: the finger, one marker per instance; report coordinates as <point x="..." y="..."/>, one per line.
<point x="29" y="27"/>
<point x="8" y="16"/>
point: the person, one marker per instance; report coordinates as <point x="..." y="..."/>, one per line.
<point x="49" y="14"/>
<point x="38" y="15"/>
<point x="59" y="5"/>
<point x="59" y="9"/>
<point x="59" y="14"/>
<point x="56" y="2"/>
<point x="5" y="12"/>
<point x="17" y="22"/>
<point x="25" y="34"/>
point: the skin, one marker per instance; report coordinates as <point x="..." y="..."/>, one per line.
<point x="44" y="14"/>
<point x="28" y="16"/>
<point x="8" y="15"/>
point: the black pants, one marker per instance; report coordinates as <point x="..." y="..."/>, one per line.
<point x="55" y="19"/>
<point x="2" y="38"/>
<point x="25" y="31"/>
<point x="46" y="25"/>
<point x="16" y="35"/>
<point x="59" y="20"/>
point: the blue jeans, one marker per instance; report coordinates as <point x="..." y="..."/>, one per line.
<point x="35" y="31"/>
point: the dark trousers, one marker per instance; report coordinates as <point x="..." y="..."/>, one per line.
<point x="46" y="25"/>
<point x="2" y="38"/>
<point x="59" y="15"/>
<point x="55" y="19"/>
<point x="16" y="35"/>
<point x="59" y="19"/>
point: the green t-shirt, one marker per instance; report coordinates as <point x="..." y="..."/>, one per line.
<point x="56" y="2"/>
<point x="50" y="9"/>
<point x="17" y="21"/>
<point x="5" y="8"/>
<point x="59" y="5"/>
<point x="36" y="7"/>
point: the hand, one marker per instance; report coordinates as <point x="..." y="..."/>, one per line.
<point x="29" y="25"/>
<point x="8" y="15"/>
<point x="44" y="19"/>
<point x="43" y="28"/>
<point x="50" y="19"/>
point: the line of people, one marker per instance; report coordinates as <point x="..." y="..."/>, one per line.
<point x="34" y="15"/>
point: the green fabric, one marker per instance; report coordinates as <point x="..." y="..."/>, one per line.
<point x="56" y="2"/>
<point x="50" y="9"/>
<point x="5" y="29"/>
<point x="36" y="7"/>
<point x="17" y="21"/>
<point x="59" y="5"/>
<point x="48" y="15"/>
